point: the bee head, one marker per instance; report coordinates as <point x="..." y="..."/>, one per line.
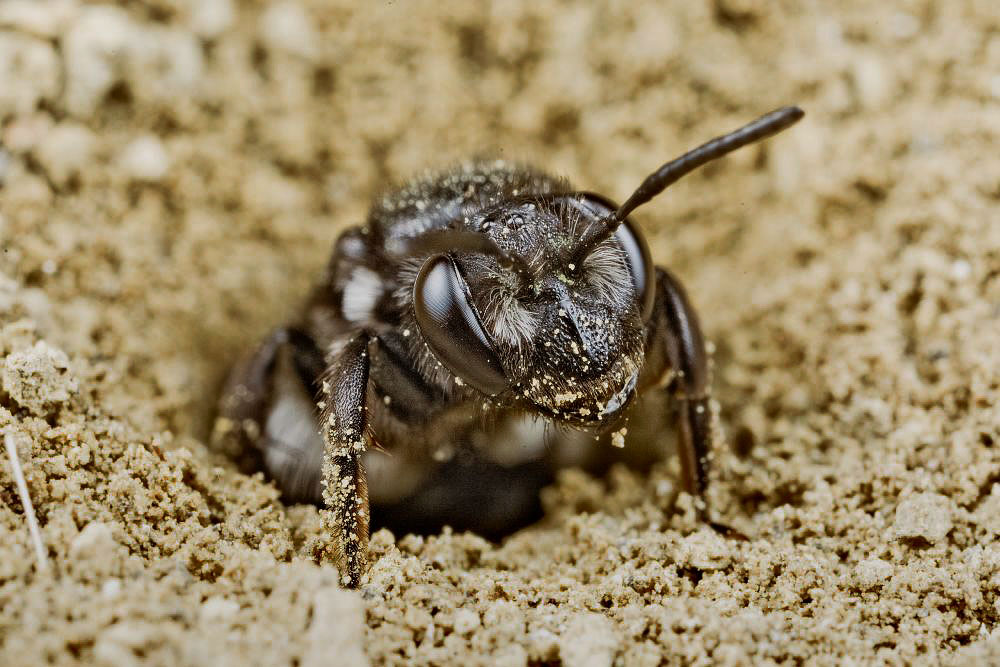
<point x="527" y="322"/>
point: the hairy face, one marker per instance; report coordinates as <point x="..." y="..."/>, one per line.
<point x="570" y="337"/>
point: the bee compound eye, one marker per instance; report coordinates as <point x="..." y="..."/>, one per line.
<point x="640" y="264"/>
<point x="450" y="325"/>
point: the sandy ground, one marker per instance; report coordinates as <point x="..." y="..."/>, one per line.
<point x="172" y="175"/>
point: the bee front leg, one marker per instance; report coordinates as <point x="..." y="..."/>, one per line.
<point x="677" y="329"/>
<point x="344" y="425"/>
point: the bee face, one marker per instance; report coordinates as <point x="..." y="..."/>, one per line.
<point x="586" y="356"/>
<point x="565" y="337"/>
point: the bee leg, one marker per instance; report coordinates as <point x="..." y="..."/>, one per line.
<point x="344" y="425"/>
<point x="688" y="358"/>
<point x="241" y="428"/>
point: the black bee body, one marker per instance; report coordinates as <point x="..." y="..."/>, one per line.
<point x="473" y="308"/>
<point x="452" y="433"/>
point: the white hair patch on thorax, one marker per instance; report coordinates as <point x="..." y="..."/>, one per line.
<point x="361" y="294"/>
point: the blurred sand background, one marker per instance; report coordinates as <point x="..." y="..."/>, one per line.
<point x="173" y="173"/>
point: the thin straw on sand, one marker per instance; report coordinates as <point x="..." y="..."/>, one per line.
<point x="29" y="510"/>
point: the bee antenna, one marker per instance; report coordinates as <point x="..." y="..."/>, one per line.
<point x="762" y="128"/>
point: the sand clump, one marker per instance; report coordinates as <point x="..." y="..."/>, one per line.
<point x="38" y="379"/>
<point x="173" y="173"/>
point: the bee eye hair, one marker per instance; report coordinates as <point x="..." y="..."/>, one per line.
<point x="507" y="318"/>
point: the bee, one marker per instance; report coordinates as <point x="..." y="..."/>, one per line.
<point x="470" y="305"/>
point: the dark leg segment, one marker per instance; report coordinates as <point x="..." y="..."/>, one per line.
<point x="249" y="394"/>
<point x="685" y="347"/>
<point x="344" y="424"/>
<point x="244" y="402"/>
<point x="687" y="355"/>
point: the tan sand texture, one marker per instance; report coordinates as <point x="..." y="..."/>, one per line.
<point x="172" y="176"/>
